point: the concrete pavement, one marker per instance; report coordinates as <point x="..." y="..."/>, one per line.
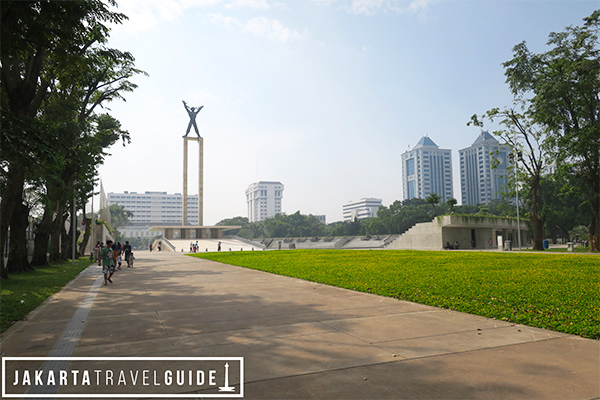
<point x="302" y="340"/>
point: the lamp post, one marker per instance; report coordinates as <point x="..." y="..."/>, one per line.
<point x="74" y="228"/>
<point x="515" y="161"/>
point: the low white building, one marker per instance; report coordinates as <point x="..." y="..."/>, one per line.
<point x="153" y="209"/>
<point x="361" y="209"/>
<point x="467" y="232"/>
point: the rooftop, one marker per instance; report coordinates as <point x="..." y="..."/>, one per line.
<point x="426" y="142"/>
<point x="484" y="136"/>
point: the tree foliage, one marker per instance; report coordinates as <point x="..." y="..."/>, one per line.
<point x="396" y="218"/>
<point x="56" y="71"/>
<point x="520" y="133"/>
<point x="558" y="92"/>
<point x="119" y="216"/>
<point x="433" y="199"/>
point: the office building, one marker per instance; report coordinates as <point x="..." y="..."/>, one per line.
<point x="427" y="169"/>
<point x="480" y="181"/>
<point x="155" y="208"/>
<point x="264" y="200"/>
<point x="361" y="209"/>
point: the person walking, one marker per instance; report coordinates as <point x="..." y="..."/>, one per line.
<point x="108" y="263"/>
<point x="97" y="253"/>
<point x="127" y="250"/>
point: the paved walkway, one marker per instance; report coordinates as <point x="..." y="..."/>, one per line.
<point x="302" y="340"/>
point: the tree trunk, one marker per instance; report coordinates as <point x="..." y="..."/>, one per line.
<point x="66" y="245"/>
<point x="42" y="238"/>
<point x="11" y="196"/>
<point x="594" y="227"/>
<point x="86" y="235"/>
<point x="17" y="256"/>
<point x="55" y="232"/>
<point x="67" y="241"/>
<point x="594" y="235"/>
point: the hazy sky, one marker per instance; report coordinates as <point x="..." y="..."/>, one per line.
<point x="322" y="95"/>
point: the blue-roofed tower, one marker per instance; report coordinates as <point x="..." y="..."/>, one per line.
<point x="427" y="169"/>
<point x="479" y="182"/>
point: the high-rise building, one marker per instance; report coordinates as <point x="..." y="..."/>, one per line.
<point x="264" y="200"/>
<point x="427" y="169"/>
<point x="361" y="209"/>
<point x="156" y="208"/>
<point x="480" y="182"/>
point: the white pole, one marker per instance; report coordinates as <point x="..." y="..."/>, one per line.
<point x="517" y="190"/>
<point x="74" y="228"/>
<point x="93" y="222"/>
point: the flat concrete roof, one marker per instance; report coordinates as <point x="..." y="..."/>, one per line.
<point x="162" y="227"/>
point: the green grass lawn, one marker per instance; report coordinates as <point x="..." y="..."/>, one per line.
<point x="578" y="249"/>
<point x="24" y="292"/>
<point x="552" y="291"/>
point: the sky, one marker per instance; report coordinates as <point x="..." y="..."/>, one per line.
<point x="321" y="95"/>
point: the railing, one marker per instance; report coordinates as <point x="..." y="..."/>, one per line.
<point x="342" y="242"/>
<point x="165" y="244"/>
<point x="389" y="240"/>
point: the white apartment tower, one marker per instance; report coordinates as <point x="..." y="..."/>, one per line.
<point x="264" y="200"/>
<point x="479" y="182"/>
<point x="361" y="209"/>
<point x="427" y="169"/>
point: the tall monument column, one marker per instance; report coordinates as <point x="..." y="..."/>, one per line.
<point x="200" y="181"/>
<point x="184" y="220"/>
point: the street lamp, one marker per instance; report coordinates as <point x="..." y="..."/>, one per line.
<point x="516" y="164"/>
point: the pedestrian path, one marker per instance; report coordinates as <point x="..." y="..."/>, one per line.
<point x="305" y="340"/>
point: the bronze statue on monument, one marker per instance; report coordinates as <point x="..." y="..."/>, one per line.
<point x="192" y="112"/>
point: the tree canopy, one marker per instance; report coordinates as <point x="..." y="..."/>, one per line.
<point x="558" y="92"/>
<point x="56" y="71"/>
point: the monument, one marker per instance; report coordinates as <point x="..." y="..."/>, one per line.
<point x="192" y="112"/>
<point x="199" y="231"/>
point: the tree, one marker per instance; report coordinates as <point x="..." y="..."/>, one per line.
<point x="451" y="202"/>
<point x="520" y="133"/>
<point x="433" y="199"/>
<point x="38" y="40"/>
<point x="235" y="221"/>
<point x="484" y="209"/>
<point x="565" y="204"/>
<point x="502" y="208"/>
<point x="119" y="216"/>
<point x="579" y="233"/>
<point x="561" y="88"/>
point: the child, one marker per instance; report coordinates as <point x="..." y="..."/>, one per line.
<point x="131" y="258"/>
<point x="119" y="259"/>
